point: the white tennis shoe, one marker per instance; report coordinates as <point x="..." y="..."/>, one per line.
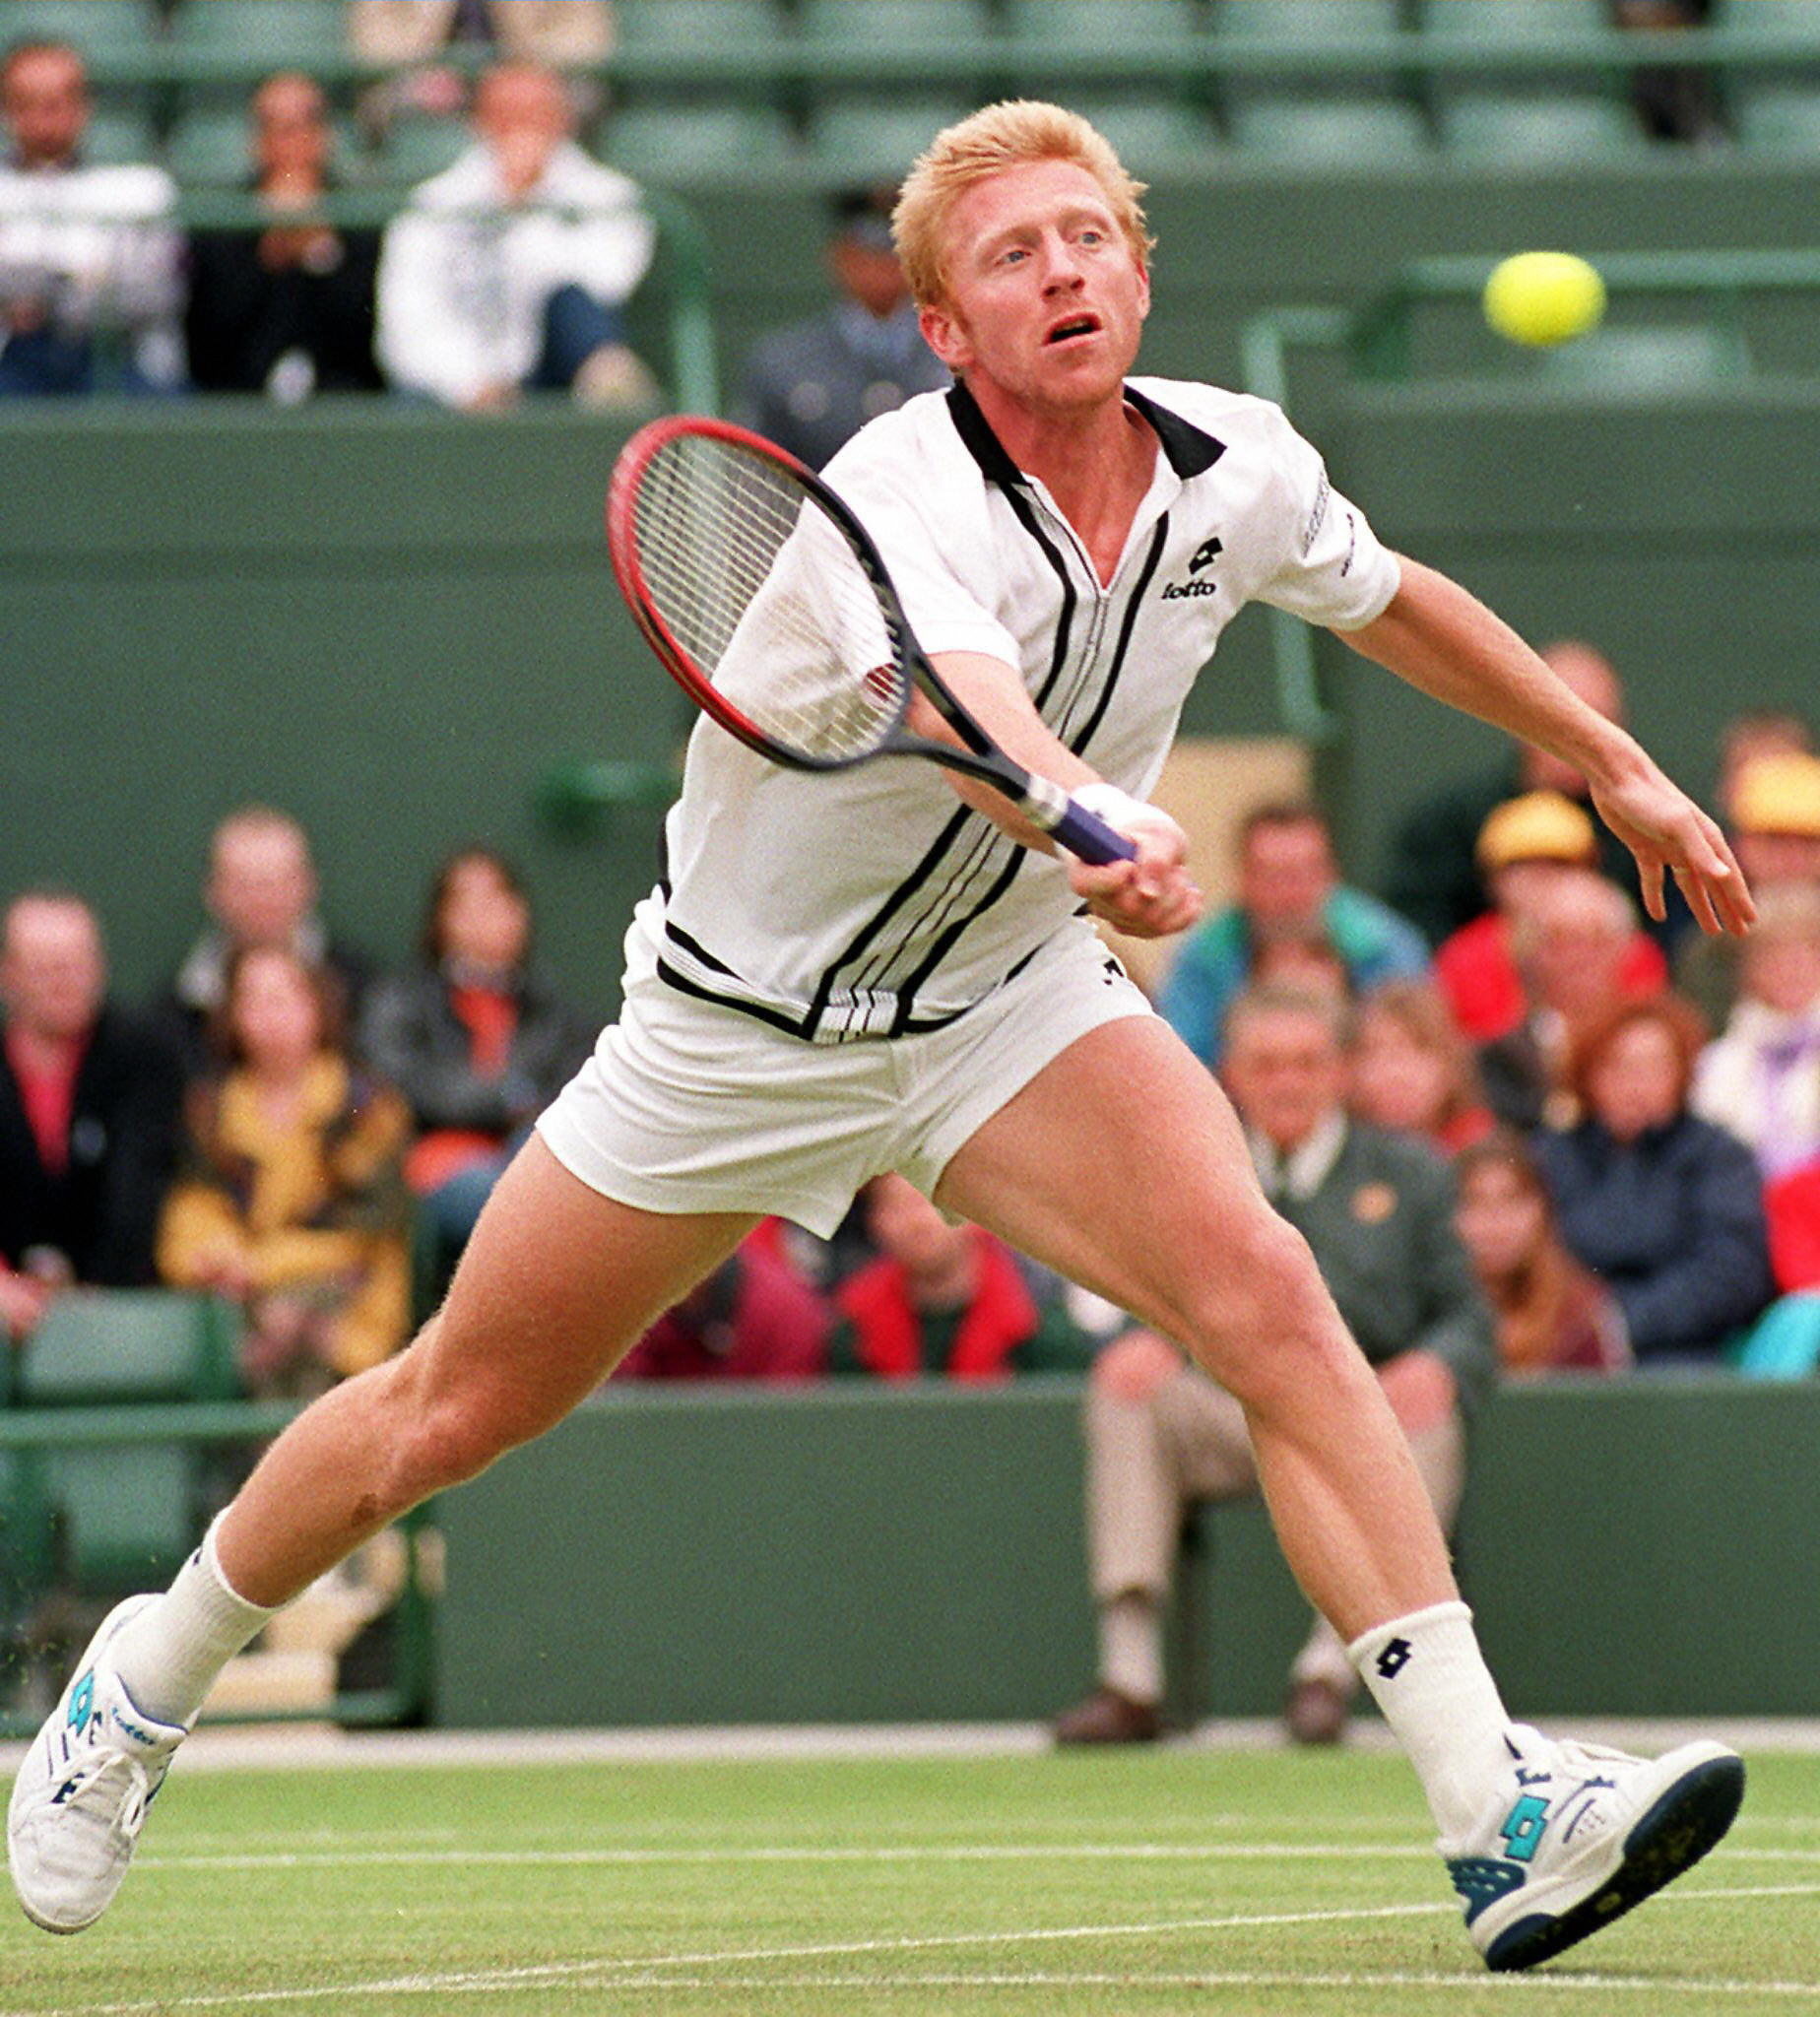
<point x="1581" y="1834"/>
<point x="82" y="1794"/>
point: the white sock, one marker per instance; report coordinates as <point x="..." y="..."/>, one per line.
<point x="171" y="1653"/>
<point x="1131" y="1648"/>
<point x="1427" y="1675"/>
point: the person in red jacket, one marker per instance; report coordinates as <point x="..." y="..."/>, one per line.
<point x="943" y="1299"/>
<point x="755" y="1318"/>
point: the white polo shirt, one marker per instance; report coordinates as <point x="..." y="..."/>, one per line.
<point x="869" y="902"/>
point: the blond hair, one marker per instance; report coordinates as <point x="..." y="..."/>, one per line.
<point x="1014" y="133"/>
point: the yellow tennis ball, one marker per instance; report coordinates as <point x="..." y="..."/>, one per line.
<point x="1544" y="297"/>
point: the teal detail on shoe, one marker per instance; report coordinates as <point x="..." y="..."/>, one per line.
<point x="82" y="1701"/>
<point x="1522" y="1827"/>
<point x="1481" y="1880"/>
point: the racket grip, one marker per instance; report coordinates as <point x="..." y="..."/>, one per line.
<point x="1088" y="836"/>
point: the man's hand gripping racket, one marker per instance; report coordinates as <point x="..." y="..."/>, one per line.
<point x="767" y="602"/>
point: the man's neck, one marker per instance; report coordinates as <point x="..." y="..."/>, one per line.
<point x="1097" y="464"/>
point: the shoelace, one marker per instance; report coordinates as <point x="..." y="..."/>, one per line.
<point x="126" y="1814"/>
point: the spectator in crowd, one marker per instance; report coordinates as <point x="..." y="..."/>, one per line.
<point x="810" y="386"/>
<point x="508" y="272"/>
<point x="1413" y="1072"/>
<point x="1792" y="1204"/>
<point x="1577" y="955"/>
<point x="261" y="889"/>
<point x="89" y="1100"/>
<point x="1756" y="733"/>
<point x="1376" y="1210"/>
<point x="1761" y="1078"/>
<point x="1433" y="876"/>
<point x="1526" y="846"/>
<point x="90" y="279"/>
<point x="1288" y="888"/>
<point x="943" y="1300"/>
<point x="475" y="1041"/>
<point x="292" y="1199"/>
<point x="1776" y="836"/>
<point x="755" y="1318"/>
<point x="1673" y="100"/>
<point x="408" y="36"/>
<point x="286" y="310"/>
<point x="1664" y="1207"/>
<point x="1552" y="1314"/>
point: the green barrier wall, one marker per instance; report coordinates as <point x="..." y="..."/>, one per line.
<point x="857" y="1554"/>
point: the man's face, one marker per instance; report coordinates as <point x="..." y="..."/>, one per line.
<point x="45" y="100"/>
<point x="523" y="115"/>
<point x="1286" y="1072"/>
<point x="53" y="972"/>
<point x="261" y="887"/>
<point x="1285" y="877"/>
<point x="906" y="1226"/>
<point x="1045" y="299"/>
<point x="290" y="130"/>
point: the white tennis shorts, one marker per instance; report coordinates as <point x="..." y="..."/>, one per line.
<point x="687" y="1106"/>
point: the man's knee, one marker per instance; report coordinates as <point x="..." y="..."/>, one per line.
<point x="1261" y="1320"/>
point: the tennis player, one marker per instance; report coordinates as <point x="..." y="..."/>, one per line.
<point x="885" y="969"/>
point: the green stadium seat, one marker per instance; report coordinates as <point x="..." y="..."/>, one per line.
<point x="126" y="1513"/>
<point x="1781" y="120"/>
<point x="416" y="147"/>
<point x="672" y="143"/>
<point x="862" y="140"/>
<point x="687" y="24"/>
<point x="119" y="137"/>
<point x="1330" y="132"/>
<point x="1150" y="134"/>
<point x="1539" y="129"/>
<point x="97" y="1347"/>
<point x="1037" y="25"/>
<point x="1513" y="24"/>
<point x="209" y="150"/>
<point x="1784" y="20"/>
<point x="1311" y="24"/>
<point x="256" y="36"/>
<point x="100" y="29"/>
<point x="874" y="25"/>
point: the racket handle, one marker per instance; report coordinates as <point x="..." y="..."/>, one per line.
<point x="1087" y="836"/>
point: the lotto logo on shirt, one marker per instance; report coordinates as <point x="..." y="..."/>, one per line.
<point x="1205" y="555"/>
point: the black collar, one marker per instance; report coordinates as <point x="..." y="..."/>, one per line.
<point x="1189" y="451"/>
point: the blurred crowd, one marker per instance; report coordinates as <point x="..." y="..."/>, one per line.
<point x="1621" y="1114"/>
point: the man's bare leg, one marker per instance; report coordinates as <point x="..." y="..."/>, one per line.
<point x="555" y="1286"/>
<point x="1173" y="1227"/>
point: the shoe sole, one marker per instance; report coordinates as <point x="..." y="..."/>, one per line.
<point x="1686" y="1821"/>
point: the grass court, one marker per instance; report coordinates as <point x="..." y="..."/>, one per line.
<point x="1182" y="1880"/>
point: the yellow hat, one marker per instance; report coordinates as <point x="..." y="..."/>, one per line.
<point x="1539" y="827"/>
<point x="1780" y="795"/>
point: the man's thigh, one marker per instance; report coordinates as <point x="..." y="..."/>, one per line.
<point x="555" y="1284"/>
<point x="1120" y="1165"/>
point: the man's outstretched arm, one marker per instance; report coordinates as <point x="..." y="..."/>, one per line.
<point x="1444" y="641"/>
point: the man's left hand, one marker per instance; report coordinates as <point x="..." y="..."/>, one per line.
<point x="1669" y="834"/>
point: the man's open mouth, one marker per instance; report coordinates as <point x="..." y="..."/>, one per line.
<point x="1075" y="325"/>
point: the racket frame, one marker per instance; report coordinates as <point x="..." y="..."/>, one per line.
<point x="1046" y="804"/>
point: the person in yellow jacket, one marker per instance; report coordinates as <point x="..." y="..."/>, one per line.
<point x="291" y="1198"/>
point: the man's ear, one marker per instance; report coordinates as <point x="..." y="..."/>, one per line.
<point x="945" y="334"/>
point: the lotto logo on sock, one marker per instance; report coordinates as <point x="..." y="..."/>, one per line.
<point x="1394" y="1658"/>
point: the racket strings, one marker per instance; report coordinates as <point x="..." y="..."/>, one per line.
<point x="764" y="595"/>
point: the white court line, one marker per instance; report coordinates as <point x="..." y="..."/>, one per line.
<point x="659" y="1971"/>
<point x="329" y="1859"/>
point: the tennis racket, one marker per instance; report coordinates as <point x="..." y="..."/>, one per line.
<point x="767" y="602"/>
